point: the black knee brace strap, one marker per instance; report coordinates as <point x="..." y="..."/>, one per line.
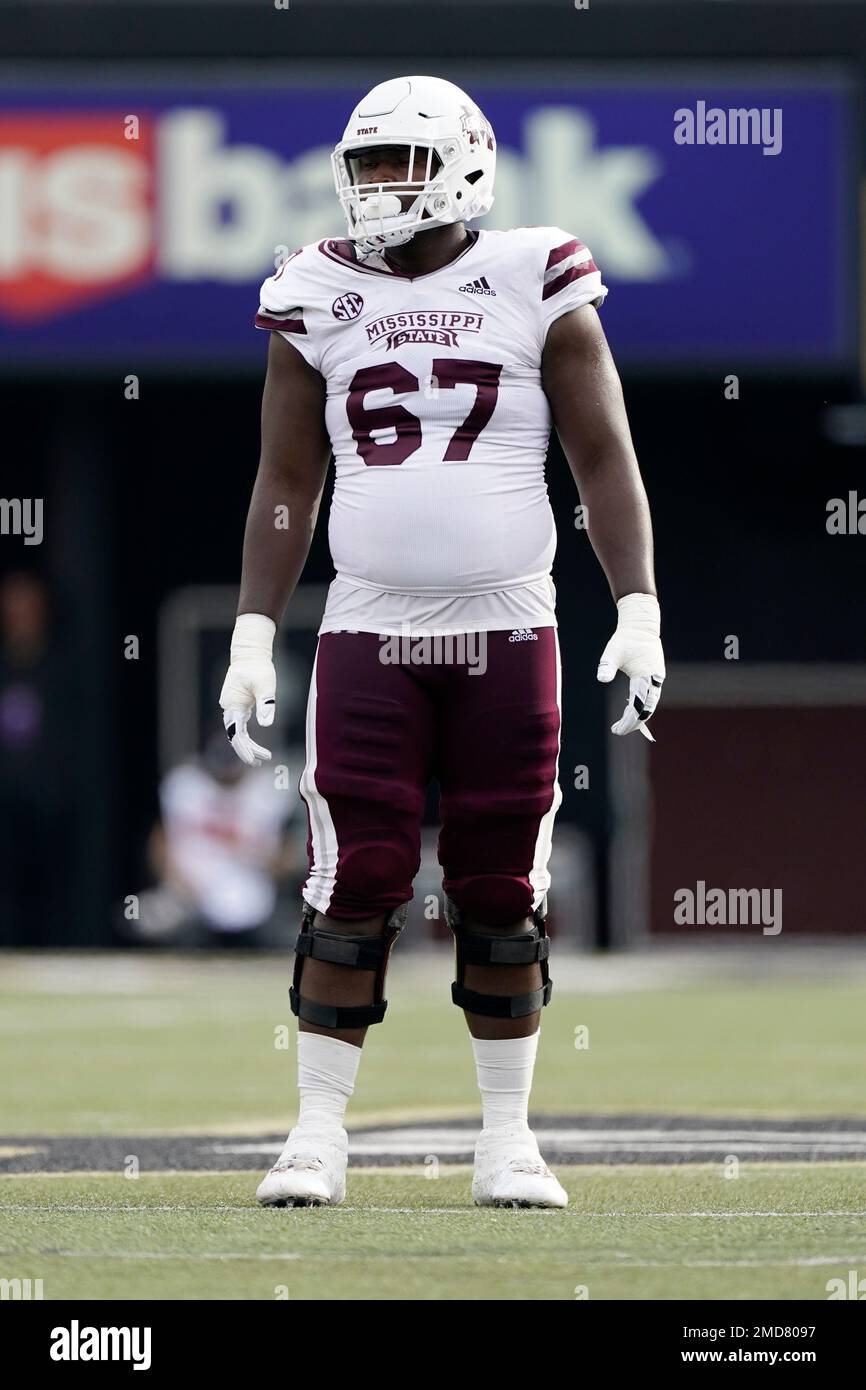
<point x="339" y="948"/>
<point x="524" y="948"/>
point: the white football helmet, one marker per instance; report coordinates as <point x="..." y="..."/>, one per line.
<point x="435" y="118"/>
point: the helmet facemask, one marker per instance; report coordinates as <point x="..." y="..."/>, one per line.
<point x="390" y="213"/>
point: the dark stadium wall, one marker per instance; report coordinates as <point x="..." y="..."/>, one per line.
<point x="739" y="495"/>
<point x="328" y="30"/>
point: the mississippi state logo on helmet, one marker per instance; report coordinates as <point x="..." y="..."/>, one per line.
<point x="348" y="306"/>
<point x="447" y="135"/>
<point x="476" y="127"/>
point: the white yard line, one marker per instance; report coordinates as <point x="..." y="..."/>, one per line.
<point x="805" y="1261"/>
<point x="148" y="1255"/>
<point x="112" y="1208"/>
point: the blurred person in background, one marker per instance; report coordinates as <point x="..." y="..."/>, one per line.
<point x="37" y="791"/>
<point x="220" y="850"/>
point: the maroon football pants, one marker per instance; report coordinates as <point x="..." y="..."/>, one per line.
<point x="378" y="731"/>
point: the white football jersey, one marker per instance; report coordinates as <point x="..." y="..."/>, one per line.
<point x="438" y="422"/>
<point x="221" y="839"/>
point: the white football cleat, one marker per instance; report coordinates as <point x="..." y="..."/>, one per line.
<point x="310" y="1172"/>
<point x="510" y="1172"/>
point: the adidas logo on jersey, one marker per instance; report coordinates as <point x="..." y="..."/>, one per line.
<point x="479" y="286"/>
<point x="523" y="634"/>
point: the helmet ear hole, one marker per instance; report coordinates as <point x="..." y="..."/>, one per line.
<point x="474" y="176"/>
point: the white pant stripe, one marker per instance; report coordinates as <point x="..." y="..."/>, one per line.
<point x="319" y="887"/>
<point x="539" y="875"/>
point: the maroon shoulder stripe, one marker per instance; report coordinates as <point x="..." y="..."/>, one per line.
<point x="284" y="325"/>
<point x="561" y="253"/>
<point x="575" y="273"/>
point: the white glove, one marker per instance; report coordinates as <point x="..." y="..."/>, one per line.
<point x="636" y="649"/>
<point x="250" y="683"/>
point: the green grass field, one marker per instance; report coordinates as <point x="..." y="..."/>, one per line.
<point x="779" y="1231"/>
<point x="143" y="1047"/>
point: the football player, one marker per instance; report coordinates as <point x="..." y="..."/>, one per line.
<point x="431" y="359"/>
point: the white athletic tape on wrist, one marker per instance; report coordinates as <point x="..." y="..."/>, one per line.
<point x="253" y="636"/>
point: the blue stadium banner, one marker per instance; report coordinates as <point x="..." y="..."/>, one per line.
<point x="137" y="220"/>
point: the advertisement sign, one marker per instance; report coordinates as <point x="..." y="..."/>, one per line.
<point x="137" y="222"/>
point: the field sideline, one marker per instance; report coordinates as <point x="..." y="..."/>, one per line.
<point x="114" y="1047"/>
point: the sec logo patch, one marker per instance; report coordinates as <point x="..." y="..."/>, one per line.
<point x="348" y="306"/>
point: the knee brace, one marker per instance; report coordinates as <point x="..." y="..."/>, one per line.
<point x="517" y="948"/>
<point x="339" y="948"/>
